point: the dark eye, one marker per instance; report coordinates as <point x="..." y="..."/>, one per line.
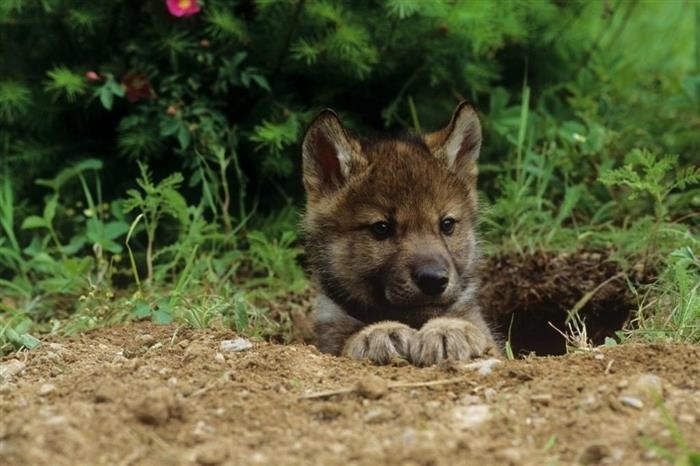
<point x="447" y="225"/>
<point x="381" y="230"/>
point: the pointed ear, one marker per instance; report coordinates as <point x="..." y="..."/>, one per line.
<point x="329" y="154"/>
<point x="459" y="143"/>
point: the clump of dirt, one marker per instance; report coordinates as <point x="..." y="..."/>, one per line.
<point x="528" y="297"/>
<point x="178" y="398"/>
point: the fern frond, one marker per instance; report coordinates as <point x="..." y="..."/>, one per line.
<point x="63" y="82"/>
<point x="83" y="21"/>
<point x="15" y="99"/>
<point x="223" y="25"/>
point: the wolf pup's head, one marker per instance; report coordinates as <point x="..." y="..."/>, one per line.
<point x="389" y="225"/>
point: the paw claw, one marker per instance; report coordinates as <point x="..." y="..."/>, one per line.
<point x="447" y="339"/>
<point x="382" y="343"/>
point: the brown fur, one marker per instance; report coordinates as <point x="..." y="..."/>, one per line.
<point x="371" y="304"/>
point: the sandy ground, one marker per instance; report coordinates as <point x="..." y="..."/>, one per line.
<point x="148" y="395"/>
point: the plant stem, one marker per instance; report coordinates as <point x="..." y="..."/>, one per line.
<point x="225" y="204"/>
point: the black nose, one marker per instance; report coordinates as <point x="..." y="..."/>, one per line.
<point x="431" y="277"/>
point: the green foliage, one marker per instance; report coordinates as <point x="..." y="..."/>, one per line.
<point x="644" y="173"/>
<point x="63" y="82"/>
<point x="156" y="201"/>
<point x="15" y="99"/>
<point x="93" y="93"/>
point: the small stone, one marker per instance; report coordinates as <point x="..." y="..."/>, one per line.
<point x="483" y="366"/>
<point x="157" y="407"/>
<point x="238" y="344"/>
<point x="202" y="431"/>
<point x="55" y="420"/>
<point x="490" y="394"/>
<point x="211" y="454"/>
<point x="378" y="415"/>
<point x="372" y="387"/>
<point x="647" y="385"/>
<point x="510" y="456"/>
<point x="119" y="360"/>
<point x="46" y="389"/>
<point x="469" y="417"/>
<point x="632" y="402"/>
<point x="10" y="369"/>
<point x="146" y="339"/>
<point x="624" y="383"/>
<point x="543" y="398"/>
<point x="195" y="350"/>
<point x="57" y="347"/>
<point x="598" y="356"/>
<point x="218" y="357"/>
<point x="593" y="454"/>
<point x="327" y="411"/>
<point x="104" y="393"/>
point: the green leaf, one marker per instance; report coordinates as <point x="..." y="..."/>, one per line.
<point x="610" y="342"/>
<point x="69" y="173"/>
<point x="28" y="341"/>
<point x="33" y="222"/>
<point x="240" y="314"/>
<point x="161" y="317"/>
<point x="141" y="310"/>
<point x="50" y="209"/>
<point x="261" y="81"/>
<point x="106" y="97"/>
<point x="114" y="230"/>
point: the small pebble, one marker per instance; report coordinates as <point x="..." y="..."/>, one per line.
<point x="105" y="392"/>
<point x="484" y="366"/>
<point x="57" y="347"/>
<point x="371" y="386"/>
<point x="46" y="389"/>
<point x="375" y="416"/>
<point x="490" y="394"/>
<point x="469" y="417"/>
<point x="218" y="357"/>
<point x="543" y="398"/>
<point x="146" y="339"/>
<point x="647" y="385"/>
<point x="202" y="431"/>
<point x="632" y="402"/>
<point x="55" y="421"/>
<point x="10" y="369"/>
<point x="211" y="454"/>
<point x="238" y="344"/>
<point x="510" y="456"/>
<point x="593" y="454"/>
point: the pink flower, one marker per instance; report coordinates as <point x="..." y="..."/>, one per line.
<point x="183" y="8"/>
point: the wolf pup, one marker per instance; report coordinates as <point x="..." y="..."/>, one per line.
<point x="389" y="231"/>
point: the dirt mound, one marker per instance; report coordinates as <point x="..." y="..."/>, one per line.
<point x="527" y="296"/>
<point x="144" y="394"/>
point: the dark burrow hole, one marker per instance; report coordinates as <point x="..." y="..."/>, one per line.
<point x="525" y="293"/>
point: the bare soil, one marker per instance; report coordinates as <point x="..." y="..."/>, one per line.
<point x="147" y="395"/>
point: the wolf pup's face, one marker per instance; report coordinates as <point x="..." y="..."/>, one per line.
<point x="389" y="224"/>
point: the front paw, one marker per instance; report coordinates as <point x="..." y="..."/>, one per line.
<point x="447" y="339"/>
<point x="381" y="342"/>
